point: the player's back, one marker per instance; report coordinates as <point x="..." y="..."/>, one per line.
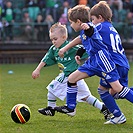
<point x="112" y="40"/>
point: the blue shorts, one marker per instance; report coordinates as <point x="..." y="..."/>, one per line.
<point x="101" y="65"/>
<point x="123" y="73"/>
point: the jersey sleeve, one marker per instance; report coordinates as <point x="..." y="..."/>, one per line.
<point x="49" y="58"/>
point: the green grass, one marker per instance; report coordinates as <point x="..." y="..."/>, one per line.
<point x="19" y="87"/>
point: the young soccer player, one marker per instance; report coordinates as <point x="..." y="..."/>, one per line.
<point x="58" y="87"/>
<point x="100" y="63"/>
<point x="101" y="15"/>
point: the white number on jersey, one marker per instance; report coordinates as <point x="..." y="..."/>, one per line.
<point x="116" y="43"/>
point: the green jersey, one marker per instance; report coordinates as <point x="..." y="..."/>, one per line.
<point x="9" y="14"/>
<point x="67" y="64"/>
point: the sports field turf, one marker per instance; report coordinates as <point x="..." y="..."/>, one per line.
<point x="19" y="87"/>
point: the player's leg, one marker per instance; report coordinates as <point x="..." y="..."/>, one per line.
<point x="49" y="110"/>
<point x="124" y="92"/>
<point x="56" y="89"/>
<point x="84" y="94"/>
<point x="116" y="95"/>
<point x="112" y="106"/>
<point x="72" y="87"/>
<point x="123" y="73"/>
<point x="72" y="90"/>
<point x="108" y="99"/>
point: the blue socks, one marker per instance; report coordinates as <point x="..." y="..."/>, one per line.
<point x="127" y="94"/>
<point x="117" y="96"/>
<point x="71" y="95"/>
<point x="109" y="102"/>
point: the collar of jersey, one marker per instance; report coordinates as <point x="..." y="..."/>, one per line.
<point x="64" y="44"/>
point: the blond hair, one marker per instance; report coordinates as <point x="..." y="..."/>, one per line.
<point x="80" y="12"/>
<point x="59" y="27"/>
<point x="103" y="9"/>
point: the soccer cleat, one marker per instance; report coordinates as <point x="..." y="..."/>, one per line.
<point x="106" y="113"/>
<point x="117" y="120"/>
<point x="65" y="110"/>
<point x="47" y="111"/>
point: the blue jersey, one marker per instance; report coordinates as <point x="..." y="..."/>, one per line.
<point x="112" y="40"/>
<point x="100" y="62"/>
<point x="92" y="44"/>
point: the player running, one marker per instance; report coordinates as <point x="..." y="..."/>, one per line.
<point x="58" y="87"/>
<point x="100" y="63"/>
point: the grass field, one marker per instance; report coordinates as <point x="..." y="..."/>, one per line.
<point x="19" y="87"/>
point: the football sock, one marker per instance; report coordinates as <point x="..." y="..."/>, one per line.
<point x="94" y="101"/>
<point x="51" y="100"/>
<point x="117" y="96"/>
<point x="71" y="95"/>
<point x="127" y="94"/>
<point x="109" y="102"/>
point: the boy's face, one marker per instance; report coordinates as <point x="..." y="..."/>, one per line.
<point x="95" y="20"/>
<point x="8" y="4"/>
<point x="56" y="38"/>
<point x="76" y="25"/>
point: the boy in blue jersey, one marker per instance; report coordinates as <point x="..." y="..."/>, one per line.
<point x="101" y="15"/>
<point x="58" y="86"/>
<point x="100" y="63"/>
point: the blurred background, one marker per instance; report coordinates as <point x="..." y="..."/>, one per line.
<point x="24" y="26"/>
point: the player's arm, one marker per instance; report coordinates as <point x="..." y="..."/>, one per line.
<point x="73" y="43"/>
<point x="79" y="54"/>
<point x="88" y="29"/>
<point x="36" y="72"/>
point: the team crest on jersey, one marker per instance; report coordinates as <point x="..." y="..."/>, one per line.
<point x="106" y="76"/>
<point x="103" y="74"/>
<point x="84" y="36"/>
<point x="61" y="67"/>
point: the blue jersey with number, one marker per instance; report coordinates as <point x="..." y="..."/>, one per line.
<point x="112" y="40"/>
<point x="100" y="62"/>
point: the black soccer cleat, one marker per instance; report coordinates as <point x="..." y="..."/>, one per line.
<point x="106" y="113"/>
<point x="65" y="110"/>
<point x="47" y="111"/>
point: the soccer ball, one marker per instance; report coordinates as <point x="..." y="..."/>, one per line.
<point x="20" y="113"/>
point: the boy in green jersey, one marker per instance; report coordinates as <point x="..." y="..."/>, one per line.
<point x="58" y="87"/>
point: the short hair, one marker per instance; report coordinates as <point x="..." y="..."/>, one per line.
<point x="80" y="12"/>
<point x="59" y="27"/>
<point x="103" y="9"/>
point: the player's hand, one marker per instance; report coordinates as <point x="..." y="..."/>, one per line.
<point x="61" y="52"/>
<point x="77" y="58"/>
<point x="85" y="26"/>
<point x="35" y="74"/>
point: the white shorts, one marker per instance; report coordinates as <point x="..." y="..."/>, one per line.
<point x="58" y="87"/>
